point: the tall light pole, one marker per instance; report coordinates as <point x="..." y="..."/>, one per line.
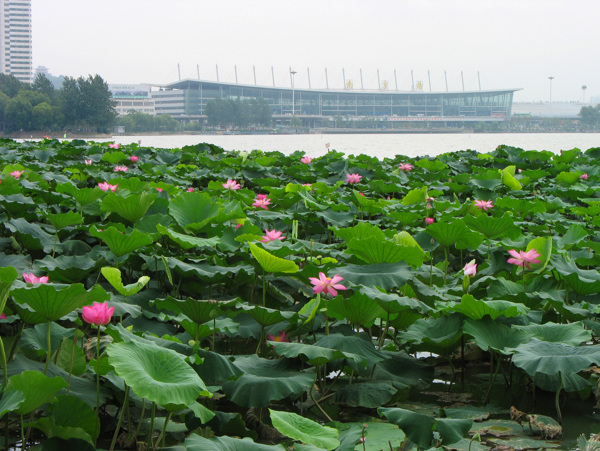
<point x="551" y="78"/>
<point x="292" y="73"/>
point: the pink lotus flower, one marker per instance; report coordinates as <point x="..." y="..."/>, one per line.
<point x="121" y="168"/>
<point x="524" y="258"/>
<point x="326" y="284"/>
<point x="272" y="235"/>
<point x="306" y="159"/>
<point x="3" y="316"/>
<point x="261" y="201"/>
<point x="406" y="167"/>
<point x="190" y="190"/>
<point x="114" y="145"/>
<point x="471" y="268"/>
<point x="429" y="221"/>
<point x="583" y="176"/>
<point x="107" y="186"/>
<point x="280" y="337"/>
<point x="134" y="159"/>
<point x="31" y="278"/>
<point x="237" y="226"/>
<point x="16" y="174"/>
<point x="231" y="185"/>
<point x="98" y="314"/>
<point x="353" y="178"/>
<point x="160" y="190"/>
<point x="484" y="205"/>
<point x="88" y="162"/>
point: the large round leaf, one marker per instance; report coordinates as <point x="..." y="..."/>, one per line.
<point x="304" y="429"/>
<point x="113" y="275"/>
<point x="122" y="243"/>
<point x="157" y="374"/>
<point x="132" y="207"/>
<point x="384" y="275"/>
<point x="197" y="443"/>
<point x="265" y="381"/>
<point x="36" y="388"/>
<point x="53" y="302"/>
<point x="271" y="263"/>
<point x="7" y="276"/>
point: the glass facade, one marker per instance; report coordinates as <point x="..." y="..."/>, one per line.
<point x="351" y="103"/>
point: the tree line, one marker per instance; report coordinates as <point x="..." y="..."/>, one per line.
<point x="82" y="104"/>
<point x="238" y="113"/>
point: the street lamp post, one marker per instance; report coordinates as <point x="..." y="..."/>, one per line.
<point x="551" y="78"/>
<point x="292" y="73"/>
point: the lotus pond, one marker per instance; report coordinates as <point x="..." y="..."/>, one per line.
<point x="198" y="299"/>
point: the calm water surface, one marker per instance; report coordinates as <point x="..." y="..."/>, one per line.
<point x="376" y="145"/>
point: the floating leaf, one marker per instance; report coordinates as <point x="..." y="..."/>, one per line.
<point x="304" y="430"/>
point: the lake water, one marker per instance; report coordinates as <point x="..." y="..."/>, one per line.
<point x="376" y="145"/>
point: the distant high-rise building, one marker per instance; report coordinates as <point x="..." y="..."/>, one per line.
<point x="15" y="39"/>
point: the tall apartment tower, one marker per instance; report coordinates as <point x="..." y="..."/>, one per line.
<point x="15" y="39"/>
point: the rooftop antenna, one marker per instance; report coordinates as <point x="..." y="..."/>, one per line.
<point x="179" y="71"/>
<point x="326" y="79"/>
<point x="308" y="72"/>
<point x="217" y="73"/>
<point x="462" y="77"/>
<point x="361" y="80"/>
<point x="429" y="77"/>
<point x="396" y="79"/>
<point x="344" y="77"/>
<point x="273" y="75"/>
<point x="235" y="70"/>
<point x="198" y="69"/>
<point x="254" y="70"/>
<point x="378" y="81"/>
<point x="412" y="76"/>
<point x="446" y="78"/>
<point x="479" y="80"/>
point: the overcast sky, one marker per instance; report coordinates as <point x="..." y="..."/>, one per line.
<point x="511" y="43"/>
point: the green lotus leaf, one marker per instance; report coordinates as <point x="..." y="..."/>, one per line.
<point x="495" y="335"/>
<point x="83" y="196"/>
<point x="304" y="429"/>
<point x="361" y="231"/>
<point x="216" y="368"/>
<point x="197" y="443"/>
<point x="192" y="211"/>
<point x="53" y="302"/>
<point x="574" y="236"/>
<point x="393" y="303"/>
<point x="439" y="335"/>
<point x="69" y="268"/>
<point x="270" y="263"/>
<point x="131" y="207"/>
<point x="354" y="345"/>
<point x="508" y="178"/>
<point x="122" y="243"/>
<point x="375" y="251"/>
<point x="114" y="157"/>
<point x="11" y="401"/>
<point x="71" y="357"/>
<point x="157" y="374"/>
<point x="357" y="309"/>
<point x="415" y="196"/>
<point x="385" y="275"/>
<point x="405" y="239"/>
<point x="63" y="220"/>
<point x="69" y="417"/>
<point x="266" y="316"/>
<point x="573" y="334"/>
<point x="35" y="339"/>
<point x="187" y="241"/>
<point x="366" y="394"/>
<point x="568" y="177"/>
<point x="36" y="388"/>
<point x="199" y="311"/>
<point x="316" y="355"/>
<point x="32" y="235"/>
<point x="448" y="233"/>
<point x="380" y="435"/>
<point x="552" y="358"/>
<point x="544" y="247"/>
<point x="475" y="309"/>
<point x="490" y="226"/>
<point x="205" y="271"/>
<point x="581" y="281"/>
<point x="113" y="275"/>
<point x="8" y="275"/>
<point x="265" y="381"/>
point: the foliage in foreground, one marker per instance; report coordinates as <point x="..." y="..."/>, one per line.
<point x="218" y="339"/>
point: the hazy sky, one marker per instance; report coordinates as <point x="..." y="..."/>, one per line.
<point x="511" y="43"/>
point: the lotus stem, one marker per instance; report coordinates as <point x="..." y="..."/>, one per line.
<point x="557" y="398"/>
<point x="71" y="364"/>
<point x="264" y="293"/>
<point x="489" y="390"/>
<point x="150" y="440"/>
<point x="160" y="441"/>
<point x="3" y="357"/>
<point x="446" y="266"/>
<point x="49" y="341"/>
<point x="97" y="378"/>
<point x="116" y="434"/>
<point x="310" y="392"/>
<point x="139" y="427"/>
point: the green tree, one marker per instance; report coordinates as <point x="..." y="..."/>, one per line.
<point x="590" y="115"/>
<point x="87" y="103"/>
<point x="165" y="122"/>
<point x="260" y="112"/>
<point x="42" y="116"/>
<point x="70" y="102"/>
<point x="10" y="85"/>
<point x="42" y="85"/>
<point x="19" y="113"/>
<point x="3" y="102"/>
